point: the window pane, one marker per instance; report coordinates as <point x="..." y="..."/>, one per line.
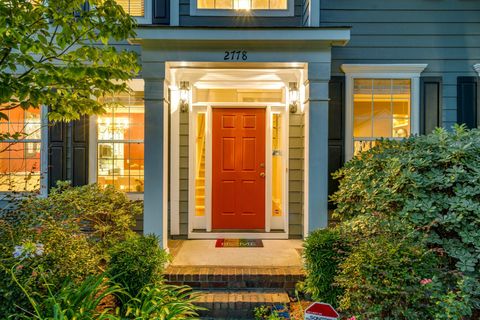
<point x="206" y="4"/>
<point x="277" y="167"/>
<point x="200" y="166"/>
<point x="223" y="4"/>
<point x="133" y="7"/>
<point x="120" y="143"/>
<point x="381" y="109"/>
<point x="260" y="4"/>
<point x="243" y="4"/>
<point x="278" y="4"/>
<point x="20" y="159"/>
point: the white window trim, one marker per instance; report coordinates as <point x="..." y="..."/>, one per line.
<point x="381" y="71"/>
<point x="147" y="13"/>
<point x="136" y="85"/>
<point x="289" y="12"/>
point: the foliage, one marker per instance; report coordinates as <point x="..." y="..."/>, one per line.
<point x="105" y="213"/>
<point x="430" y="183"/>
<point x="161" y="301"/>
<point x="71" y="301"/>
<point x="324" y="250"/>
<point x="47" y="56"/>
<point x="381" y="279"/>
<point x="137" y="262"/>
<point x="265" y="313"/>
<point x="66" y="254"/>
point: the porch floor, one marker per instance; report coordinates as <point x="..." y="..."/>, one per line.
<point x="275" y="253"/>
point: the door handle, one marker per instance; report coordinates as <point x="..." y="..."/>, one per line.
<point x="262" y="174"/>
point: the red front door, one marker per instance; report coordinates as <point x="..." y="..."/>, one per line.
<point x="238" y="169"/>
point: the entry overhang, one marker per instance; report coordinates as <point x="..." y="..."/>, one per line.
<point x="338" y="36"/>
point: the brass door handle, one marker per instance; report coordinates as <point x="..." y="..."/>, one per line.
<point x="262" y="174"/>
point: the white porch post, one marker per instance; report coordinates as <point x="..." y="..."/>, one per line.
<point x="156" y="163"/>
<point x="317" y="137"/>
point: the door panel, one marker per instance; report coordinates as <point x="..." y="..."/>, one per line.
<point x="238" y="169"/>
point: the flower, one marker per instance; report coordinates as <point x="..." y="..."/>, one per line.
<point x="352" y="318"/>
<point x="19" y="267"/>
<point x="28" y="250"/>
<point x="425" y="281"/>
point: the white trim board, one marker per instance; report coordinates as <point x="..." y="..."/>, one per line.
<point x="379" y="71"/>
<point x="238" y="235"/>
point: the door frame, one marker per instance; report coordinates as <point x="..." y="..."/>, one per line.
<point x="195" y="222"/>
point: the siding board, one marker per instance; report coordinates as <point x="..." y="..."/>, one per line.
<point x="443" y="34"/>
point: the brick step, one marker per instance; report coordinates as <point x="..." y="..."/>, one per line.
<point x="235" y="278"/>
<point x="237" y="304"/>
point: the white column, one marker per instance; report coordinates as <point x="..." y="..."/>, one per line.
<point x="156" y="161"/>
<point x="317" y="150"/>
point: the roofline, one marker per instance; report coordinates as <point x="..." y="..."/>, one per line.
<point x="338" y="36"/>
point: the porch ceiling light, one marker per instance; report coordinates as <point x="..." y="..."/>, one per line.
<point x="293" y="95"/>
<point x="184" y="95"/>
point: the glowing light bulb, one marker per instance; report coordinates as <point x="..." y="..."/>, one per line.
<point x="242" y="5"/>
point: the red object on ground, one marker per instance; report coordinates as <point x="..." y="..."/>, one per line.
<point x="322" y="310"/>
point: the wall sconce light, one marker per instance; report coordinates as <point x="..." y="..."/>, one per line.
<point x="293" y="97"/>
<point x="184" y="95"/>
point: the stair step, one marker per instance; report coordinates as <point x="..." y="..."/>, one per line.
<point x="238" y="278"/>
<point x="237" y="304"/>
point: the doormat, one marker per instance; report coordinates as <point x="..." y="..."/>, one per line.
<point x="239" y="243"/>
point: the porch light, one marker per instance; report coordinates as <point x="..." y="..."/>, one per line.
<point x="293" y="96"/>
<point x="184" y="95"/>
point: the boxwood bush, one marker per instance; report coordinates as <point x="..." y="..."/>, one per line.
<point x="323" y="251"/>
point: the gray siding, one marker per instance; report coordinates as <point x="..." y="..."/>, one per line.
<point x="295" y="175"/>
<point x="240" y="21"/>
<point x="443" y="34"/>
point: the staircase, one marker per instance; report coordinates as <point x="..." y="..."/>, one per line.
<point x="200" y="171"/>
<point x="234" y="292"/>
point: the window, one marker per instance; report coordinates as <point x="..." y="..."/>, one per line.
<point x="381" y="109"/>
<point x="268" y="8"/>
<point x="243" y="4"/>
<point x="120" y="147"/>
<point x="382" y="101"/>
<point x="136" y="8"/>
<point x="20" y="159"/>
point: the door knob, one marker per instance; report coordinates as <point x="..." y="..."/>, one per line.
<point x="262" y="174"/>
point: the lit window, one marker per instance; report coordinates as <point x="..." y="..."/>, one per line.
<point x="243" y="4"/>
<point x="20" y="159"/>
<point x="381" y="109"/>
<point x="120" y="151"/>
<point x="200" y="166"/>
<point x="135" y="8"/>
<point x="277" y="166"/>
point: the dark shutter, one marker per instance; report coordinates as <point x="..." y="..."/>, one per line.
<point x="336" y="129"/>
<point x="468" y="101"/>
<point x="80" y="151"/>
<point x="57" y="153"/>
<point x="161" y="12"/>
<point x="430" y="104"/>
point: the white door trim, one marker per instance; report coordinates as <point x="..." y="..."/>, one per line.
<point x="193" y="222"/>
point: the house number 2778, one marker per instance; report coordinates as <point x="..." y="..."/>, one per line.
<point x="235" y="55"/>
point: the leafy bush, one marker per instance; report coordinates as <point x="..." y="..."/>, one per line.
<point x="430" y="183"/>
<point x="137" y="262"/>
<point x="161" y="301"/>
<point x="381" y="279"/>
<point x="324" y="250"/>
<point x="105" y="213"/>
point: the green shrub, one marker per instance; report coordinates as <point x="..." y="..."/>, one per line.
<point x="432" y="184"/>
<point x="381" y="279"/>
<point x="106" y="214"/>
<point x="137" y="262"/>
<point x="161" y="301"/>
<point x="324" y="250"/>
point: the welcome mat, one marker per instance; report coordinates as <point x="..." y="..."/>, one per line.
<point x="239" y="243"/>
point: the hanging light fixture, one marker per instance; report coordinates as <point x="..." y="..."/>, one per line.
<point x="293" y="95"/>
<point x="184" y="95"/>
